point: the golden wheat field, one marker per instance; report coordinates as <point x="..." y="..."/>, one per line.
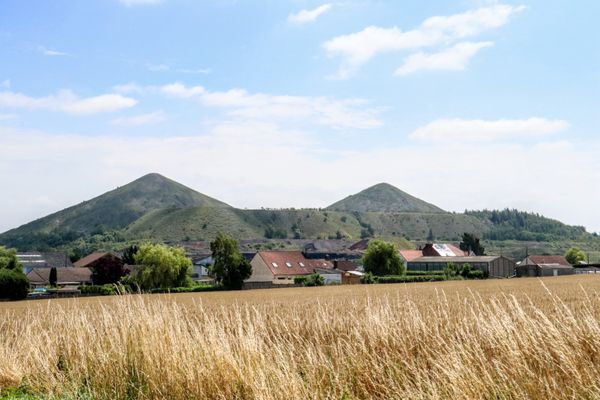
<point x="512" y="339"/>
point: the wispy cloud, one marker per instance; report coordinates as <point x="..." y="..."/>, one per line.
<point x="158" y="67"/>
<point x="477" y="130"/>
<point x="152" y="118"/>
<point x="68" y="102"/>
<point x="5" y="84"/>
<point x="129" y="88"/>
<point x="307" y="16"/>
<point x="358" y="48"/>
<point x="52" y="53"/>
<point x="130" y="3"/>
<point x="202" y="71"/>
<point x="331" y="112"/>
<point x="454" y="58"/>
<point x="7" y="117"/>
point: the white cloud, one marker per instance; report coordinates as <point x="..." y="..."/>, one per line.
<point x="66" y="101"/>
<point x="358" y="48"/>
<point x="202" y="71"/>
<point x="7" y="117"/>
<point x="129" y="88"/>
<point x="454" y="58"/>
<point x="130" y="3"/>
<point x="158" y="67"/>
<point x="236" y="158"/>
<point x="52" y="53"/>
<point x="335" y="113"/>
<point x="306" y="16"/>
<point x="464" y="130"/>
<point x="152" y="118"/>
<point x="180" y="90"/>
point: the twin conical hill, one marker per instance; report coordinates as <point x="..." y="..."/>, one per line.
<point x="384" y="197"/>
<point x="116" y="209"/>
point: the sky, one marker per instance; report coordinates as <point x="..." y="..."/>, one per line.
<point x="294" y="103"/>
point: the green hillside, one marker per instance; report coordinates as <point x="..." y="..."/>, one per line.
<point x="384" y="197"/>
<point x="203" y="223"/>
<point x="158" y="209"/>
<point x="113" y="210"/>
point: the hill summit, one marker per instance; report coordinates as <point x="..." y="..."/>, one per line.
<point x="119" y="207"/>
<point x="384" y="197"/>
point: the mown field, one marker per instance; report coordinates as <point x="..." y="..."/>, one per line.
<point x="512" y="339"/>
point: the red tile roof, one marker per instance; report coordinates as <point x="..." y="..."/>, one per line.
<point x="410" y="255"/>
<point x="291" y="263"/>
<point x="559" y="260"/>
<point x="344" y="265"/>
<point x="456" y="250"/>
<point x="90" y="258"/>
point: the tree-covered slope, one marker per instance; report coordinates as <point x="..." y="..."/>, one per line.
<point x="523" y="226"/>
<point x="384" y="197"/>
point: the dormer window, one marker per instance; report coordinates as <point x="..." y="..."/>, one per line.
<point x="275" y="264"/>
<point x="289" y="264"/>
<point x="302" y="264"/>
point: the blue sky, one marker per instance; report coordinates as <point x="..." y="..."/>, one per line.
<point x="466" y="104"/>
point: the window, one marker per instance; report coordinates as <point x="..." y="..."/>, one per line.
<point x="289" y="264"/>
<point x="275" y="264"/>
<point x="302" y="264"/>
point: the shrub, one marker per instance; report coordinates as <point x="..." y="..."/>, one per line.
<point x="14" y="284"/>
<point x="368" y="279"/>
<point x="412" y="278"/>
<point x="476" y="274"/>
<point x="300" y="280"/>
<point x="416" y="273"/>
<point x="315" y="280"/>
<point x="184" y="289"/>
<point x="102" y="290"/>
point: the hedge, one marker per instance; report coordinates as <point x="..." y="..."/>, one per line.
<point x="103" y="290"/>
<point x="410" y="278"/>
<point x="419" y="273"/>
<point x="191" y="289"/>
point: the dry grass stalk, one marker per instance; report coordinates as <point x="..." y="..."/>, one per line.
<point x="428" y="341"/>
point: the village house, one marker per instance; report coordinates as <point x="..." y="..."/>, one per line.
<point x="433" y="250"/>
<point x="40" y="277"/>
<point x="333" y="250"/>
<point x="280" y="267"/>
<point x="493" y="266"/>
<point x="544" y="266"/>
<point x="32" y="260"/>
<point x="97" y="258"/>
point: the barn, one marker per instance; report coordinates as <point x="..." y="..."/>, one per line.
<point x="493" y="266"/>
<point x="544" y="266"/>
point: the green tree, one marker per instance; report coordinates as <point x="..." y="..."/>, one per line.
<point x="574" y="256"/>
<point x="129" y="254"/>
<point x="162" y="267"/>
<point x="430" y="236"/>
<point x="53" y="278"/>
<point x="382" y="258"/>
<point x="14" y="284"/>
<point x="9" y="260"/>
<point x="471" y="243"/>
<point x="230" y="268"/>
